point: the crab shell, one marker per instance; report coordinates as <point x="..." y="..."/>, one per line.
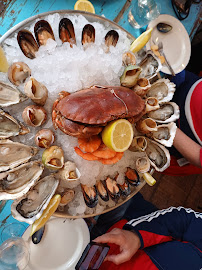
<point x="86" y="112"/>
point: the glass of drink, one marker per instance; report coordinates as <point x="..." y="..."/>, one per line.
<point x="142" y="12"/>
<point x="14" y="251"/>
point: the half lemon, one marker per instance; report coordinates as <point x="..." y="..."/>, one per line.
<point x="141" y="41"/>
<point x="118" y="135"/>
<point x="3" y="62"/>
<point x="84" y="5"/>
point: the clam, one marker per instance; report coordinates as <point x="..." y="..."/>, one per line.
<point x="43" y="32"/>
<point x="44" y="138"/>
<point x="152" y="104"/>
<point x="139" y="143"/>
<point x="158" y="155"/>
<point x="128" y="58"/>
<point x="9" y="126"/>
<point x="31" y="206"/>
<point x="168" y="112"/>
<point x="17" y="182"/>
<point x="34" y="116"/>
<point x="27" y="43"/>
<point x="125" y="189"/>
<point x="90" y="195"/>
<point x="13" y="154"/>
<point x="53" y="158"/>
<point x="142" y="86"/>
<point x="66" y="198"/>
<point x="142" y="164"/>
<point x="162" y="89"/>
<point x="102" y="191"/>
<point x="130" y="76"/>
<point x="132" y="177"/>
<point x="66" y="31"/>
<point x="165" y="134"/>
<point x="88" y="34"/>
<point x="112" y="188"/>
<point x="36" y="91"/>
<point x="18" y="72"/>
<point x="111" y="38"/>
<point x="10" y="95"/>
<point x="146" y="125"/>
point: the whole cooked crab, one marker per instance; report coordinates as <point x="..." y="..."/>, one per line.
<point x="85" y="113"/>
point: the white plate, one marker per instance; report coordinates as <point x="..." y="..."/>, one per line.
<point x="61" y="247"/>
<point x="176" y="43"/>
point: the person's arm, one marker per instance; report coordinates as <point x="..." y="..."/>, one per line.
<point x="188" y="148"/>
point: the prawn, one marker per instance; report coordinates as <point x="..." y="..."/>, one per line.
<point x="104" y="152"/>
<point x="86" y="156"/>
<point x="89" y="144"/>
<point x="113" y="160"/>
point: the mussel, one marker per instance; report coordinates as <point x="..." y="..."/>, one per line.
<point x="125" y="189"/>
<point x="27" y="43"/>
<point x="113" y="188"/>
<point x="43" y="32"/>
<point x="90" y="195"/>
<point x="132" y="177"/>
<point x="102" y="191"/>
<point x="88" y="34"/>
<point x="111" y="38"/>
<point x="66" y="31"/>
<point x="164" y="27"/>
<point x="37" y="236"/>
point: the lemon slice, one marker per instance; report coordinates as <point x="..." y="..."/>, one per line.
<point x="84" y="5"/>
<point x="118" y="135"/>
<point x="149" y="179"/>
<point x="141" y="41"/>
<point x="47" y="213"/>
<point x="3" y="62"/>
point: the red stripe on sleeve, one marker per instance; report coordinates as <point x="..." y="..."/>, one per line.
<point x="151" y="239"/>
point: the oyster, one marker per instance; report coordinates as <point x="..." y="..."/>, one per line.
<point x="27" y="43"/>
<point x="111" y="38"/>
<point x="130" y="76"/>
<point x="132" y="177"/>
<point x="31" y="206"/>
<point x="146" y="125"/>
<point x="165" y="134"/>
<point x="113" y="188"/>
<point x="18" y="72"/>
<point x="17" y="182"/>
<point x="66" y="31"/>
<point x="10" y="127"/>
<point x="43" y="32"/>
<point x="142" y="164"/>
<point x="44" y="138"/>
<point x="102" y="191"/>
<point x="152" y="104"/>
<point x="34" y="116"/>
<point x="139" y="143"/>
<point x="36" y="91"/>
<point x="168" y="112"/>
<point x="10" y="95"/>
<point x="128" y="59"/>
<point x="158" y="155"/>
<point x="142" y="87"/>
<point x="162" y="89"/>
<point x="13" y="154"/>
<point x="90" y="195"/>
<point x="88" y="34"/>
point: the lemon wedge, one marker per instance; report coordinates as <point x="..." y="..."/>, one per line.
<point x="47" y="213"/>
<point x="3" y="62"/>
<point x="118" y="135"/>
<point x="149" y="179"/>
<point x="141" y="41"/>
<point x="84" y="5"/>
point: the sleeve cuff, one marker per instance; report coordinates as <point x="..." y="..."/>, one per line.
<point x="201" y="156"/>
<point x="132" y="229"/>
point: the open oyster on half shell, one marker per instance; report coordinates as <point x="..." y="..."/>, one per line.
<point x="31" y="206"/>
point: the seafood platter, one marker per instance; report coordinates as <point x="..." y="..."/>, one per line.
<point x="70" y="75"/>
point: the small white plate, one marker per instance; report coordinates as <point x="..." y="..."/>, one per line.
<point x="176" y="43"/>
<point x="61" y="247"/>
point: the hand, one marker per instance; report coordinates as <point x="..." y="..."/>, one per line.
<point x="128" y="241"/>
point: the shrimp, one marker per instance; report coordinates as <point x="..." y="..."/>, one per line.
<point x="89" y="144"/>
<point x="86" y="156"/>
<point x="104" y="152"/>
<point x="113" y="160"/>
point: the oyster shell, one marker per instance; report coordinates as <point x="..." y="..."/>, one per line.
<point x="10" y="95"/>
<point x="17" y="182"/>
<point x="162" y="89"/>
<point x="10" y="127"/>
<point x="158" y="155"/>
<point x="165" y="134"/>
<point x="130" y="76"/>
<point x="168" y="112"/>
<point x="13" y="154"/>
<point x="31" y="206"/>
<point x="18" y="72"/>
<point x="146" y="125"/>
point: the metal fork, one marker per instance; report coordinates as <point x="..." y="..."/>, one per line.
<point x="160" y="49"/>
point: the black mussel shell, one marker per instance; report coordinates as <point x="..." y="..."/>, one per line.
<point x="164" y="27"/>
<point x="102" y="191"/>
<point x="132" y="177"/>
<point x="37" y="236"/>
<point x="43" y="32"/>
<point x="111" y="38"/>
<point x="90" y="195"/>
<point x="125" y="189"/>
<point x="66" y="31"/>
<point x="88" y="34"/>
<point x="27" y="43"/>
<point x="113" y="189"/>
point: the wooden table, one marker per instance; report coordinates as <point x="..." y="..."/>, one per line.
<point x="14" y="11"/>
